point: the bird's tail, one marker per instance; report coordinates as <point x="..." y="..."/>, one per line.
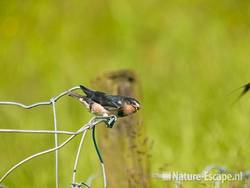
<point x="86" y="90"/>
<point x="83" y="99"/>
<point x="75" y="95"/>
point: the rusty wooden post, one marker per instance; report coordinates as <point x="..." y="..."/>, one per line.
<point x="125" y="146"/>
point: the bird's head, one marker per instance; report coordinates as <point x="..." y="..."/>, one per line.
<point x="133" y="102"/>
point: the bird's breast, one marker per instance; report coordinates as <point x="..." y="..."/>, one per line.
<point x="98" y="109"/>
<point x="128" y="109"/>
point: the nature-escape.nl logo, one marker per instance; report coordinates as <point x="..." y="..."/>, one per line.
<point x="183" y="176"/>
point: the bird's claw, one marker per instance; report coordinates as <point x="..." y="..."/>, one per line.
<point x="79" y="185"/>
<point x="110" y="121"/>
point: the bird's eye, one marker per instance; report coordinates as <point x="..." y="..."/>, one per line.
<point x="134" y="103"/>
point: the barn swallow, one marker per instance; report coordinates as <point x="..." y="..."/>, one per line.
<point x="245" y="88"/>
<point x="102" y="104"/>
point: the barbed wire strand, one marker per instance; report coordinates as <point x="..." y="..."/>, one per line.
<point x="83" y="130"/>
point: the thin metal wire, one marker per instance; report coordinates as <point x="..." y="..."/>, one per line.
<point x="94" y="121"/>
<point x="81" y="130"/>
<point x="23" y="105"/>
<point x="104" y="176"/>
<point x="100" y="158"/>
<point x="33" y="156"/>
<point x="56" y="143"/>
<point x="36" y="131"/>
<point x="77" y="158"/>
<point x="96" y="146"/>
<point x="52" y="102"/>
<point x="55" y="99"/>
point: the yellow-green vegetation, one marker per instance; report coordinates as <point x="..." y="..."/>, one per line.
<point x="188" y="56"/>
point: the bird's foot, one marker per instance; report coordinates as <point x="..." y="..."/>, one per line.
<point x="79" y="185"/>
<point x="110" y="121"/>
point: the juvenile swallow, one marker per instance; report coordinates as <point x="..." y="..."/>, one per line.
<point x="102" y="104"/>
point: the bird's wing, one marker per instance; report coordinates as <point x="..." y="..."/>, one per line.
<point x="91" y="93"/>
<point x="107" y="100"/>
<point x="245" y="88"/>
<point x="102" y="98"/>
<point x="111" y="109"/>
<point x="74" y="95"/>
<point x="86" y="90"/>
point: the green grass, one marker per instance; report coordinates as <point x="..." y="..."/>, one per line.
<point x="188" y="57"/>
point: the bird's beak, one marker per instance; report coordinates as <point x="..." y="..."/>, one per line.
<point x="137" y="106"/>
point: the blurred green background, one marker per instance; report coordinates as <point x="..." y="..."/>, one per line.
<point x="188" y="56"/>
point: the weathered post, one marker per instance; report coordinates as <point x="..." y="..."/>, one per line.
<point x="125" y="146"/>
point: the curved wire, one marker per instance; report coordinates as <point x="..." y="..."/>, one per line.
<point x="96" y="146"/>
